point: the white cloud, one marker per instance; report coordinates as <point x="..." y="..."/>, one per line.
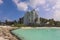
<point x="44" y="3"/>
<point x="1" y="2"/>
<point x="21" y="5"/>
<point x="56" y="11"/>
<point x="15" y="1"/>
<point x="55" y="8"/>
<point x="32" y="3"/>
<point x="35" y="3"/>
<point x="56" y="15"/>
<point x="37" y="9"/>
<point x="51" y="1"/>
<point x="48" y="5"/>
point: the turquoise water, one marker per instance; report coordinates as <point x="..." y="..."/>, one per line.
<point x="38" y="34"/>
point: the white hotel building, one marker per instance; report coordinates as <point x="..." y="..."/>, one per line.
<point x="30" y="17"/>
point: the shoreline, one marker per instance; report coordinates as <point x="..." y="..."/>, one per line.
<point x="40" y="27"/>
<point x="15" y="35"/>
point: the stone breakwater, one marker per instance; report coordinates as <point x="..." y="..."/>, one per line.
<point x="5" y="33"/>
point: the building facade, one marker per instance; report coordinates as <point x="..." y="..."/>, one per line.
<point x="31" y="18"/>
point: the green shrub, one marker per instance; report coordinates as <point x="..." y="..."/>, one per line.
<point x="19" y="25"/>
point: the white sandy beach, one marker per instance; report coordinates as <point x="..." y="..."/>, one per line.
<point x="40" y="27"/>
<point x="5" y="33"/>
<point x="1" y="38"/>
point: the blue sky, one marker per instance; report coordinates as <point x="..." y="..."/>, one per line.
<point x="9" y="11"/>
<point x="14" y="9"/>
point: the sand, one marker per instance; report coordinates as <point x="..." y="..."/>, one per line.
<point x="5" y="33"/>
